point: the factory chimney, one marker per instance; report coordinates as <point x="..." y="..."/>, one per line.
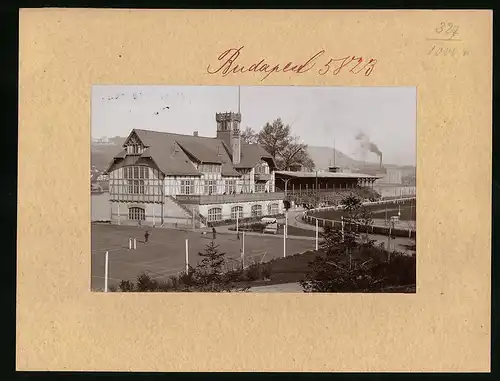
<point x="380" y="161"/>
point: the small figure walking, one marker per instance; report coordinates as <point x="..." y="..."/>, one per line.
<point x="146" y="236"/>
<point x="214" y="232"/>
<point x="238" y="236"/>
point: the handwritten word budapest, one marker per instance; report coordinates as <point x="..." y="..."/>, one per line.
<point x="229" y="63"/>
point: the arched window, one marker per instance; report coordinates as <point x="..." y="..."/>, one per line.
<point x="136" y="213"/>
<point x="215" y="214"/>
<point x="236" y="212"/>
<point x="273" y="209"/>
<point x="256" y="210"/>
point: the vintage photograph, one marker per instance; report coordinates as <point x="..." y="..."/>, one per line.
<point x="253" y="189"/>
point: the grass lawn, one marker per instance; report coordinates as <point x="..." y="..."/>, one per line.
<point x="299" y="232"/>
<point x="295" y="267"/>
<point x="408" y="212"/>
<point x="164" y="254"/>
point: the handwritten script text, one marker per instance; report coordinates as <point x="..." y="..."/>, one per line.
<point x="229" y="63"/>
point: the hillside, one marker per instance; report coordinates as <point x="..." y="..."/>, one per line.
<point x="323" y="157"/>
<point x="102" y="154"/>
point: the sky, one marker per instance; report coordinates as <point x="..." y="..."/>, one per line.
<point x="320" y="116"/>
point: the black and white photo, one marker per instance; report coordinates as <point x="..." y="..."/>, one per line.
<point x="253" y="189"/>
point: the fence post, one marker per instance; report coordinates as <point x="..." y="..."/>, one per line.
<point x="130" y="243"/>
<point x="317" y="229"/>
<point x="284" y="243"/>
<point x="187" y="256"/>
<point x="135" y="244"/>
<point x="106" y="267"/>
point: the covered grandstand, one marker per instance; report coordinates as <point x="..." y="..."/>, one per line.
<point x="319" y="188"/>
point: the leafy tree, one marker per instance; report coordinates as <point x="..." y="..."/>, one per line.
<point x="249" y="136"/>
<point x="286" y="150"/>
<point x="343" y="267"/>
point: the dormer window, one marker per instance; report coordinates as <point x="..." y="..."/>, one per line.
<point x="134" y="145"/>
<point x="135" y="149"/>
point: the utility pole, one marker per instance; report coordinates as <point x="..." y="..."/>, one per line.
<point x="239" y="99"/>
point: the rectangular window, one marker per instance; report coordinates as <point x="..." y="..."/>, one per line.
<point x="256" y="210"/>
<point x="230" y="186"/>
<point x="187" y="187"/>
<point x="210" y="187"/>
<point x="260" y="187"/>
<point x="136" y="187"/>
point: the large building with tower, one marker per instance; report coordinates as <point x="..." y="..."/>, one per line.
<point x="163" y="178"/>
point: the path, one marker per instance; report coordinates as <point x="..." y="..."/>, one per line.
<point x="398" y="243"/>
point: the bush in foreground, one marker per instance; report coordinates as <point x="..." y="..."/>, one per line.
<point x="351" y="262"/>
<point x="208" y="276"/>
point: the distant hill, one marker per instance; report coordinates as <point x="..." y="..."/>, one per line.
<point x="102" y="154"/>
<point x="323" y="157"/>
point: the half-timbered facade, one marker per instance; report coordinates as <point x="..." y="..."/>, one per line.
<point x="162" y="178"/>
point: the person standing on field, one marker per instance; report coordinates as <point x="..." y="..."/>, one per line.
<point x="146" y="236"/>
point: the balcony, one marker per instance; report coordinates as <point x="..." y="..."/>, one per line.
<point x="229" y="198"/>
<point x="262" y="176"/>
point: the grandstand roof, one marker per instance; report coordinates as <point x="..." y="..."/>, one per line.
<point x="339" y="175"/>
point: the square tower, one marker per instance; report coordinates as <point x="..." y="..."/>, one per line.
<point x="228" y="130"/>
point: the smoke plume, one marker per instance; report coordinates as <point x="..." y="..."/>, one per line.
<point x="367" y="145"/>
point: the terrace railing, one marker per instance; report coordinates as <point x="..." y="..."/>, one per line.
<point x="229" y="198"/>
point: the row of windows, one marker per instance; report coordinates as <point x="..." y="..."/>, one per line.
<point x="134" y="148"/>
<point x="262" y="168"/>
<point x="210" y="187"/>
<point x="211" y="168"/>
<point x="215" y="214"/>
<point x="136" y="173"/>
<point x="187" y="187"/>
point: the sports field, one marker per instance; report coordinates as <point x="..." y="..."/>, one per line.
<point x="407" y="209"/>
<point x="164" y="254"/>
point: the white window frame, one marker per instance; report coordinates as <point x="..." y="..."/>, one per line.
<point x="273" y="209"/>
<point x="230" y="186"/>
<point x="256" y="210"/>
<point x="237" y="210"/>
<point x="136" y="213"/>
<point x="187" y="187"/>
<point x="214" y="214"/>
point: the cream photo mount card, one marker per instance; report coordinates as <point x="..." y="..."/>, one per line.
<point x="175" y="112"/>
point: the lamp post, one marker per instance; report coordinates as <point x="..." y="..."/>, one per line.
<point x="317" y="194"/>
<point x="286" y="183"/>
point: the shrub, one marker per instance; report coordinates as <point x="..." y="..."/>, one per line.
<point x="145" y="283"/>
<point x="351" y="263"/>
<point x="126" y="286"/>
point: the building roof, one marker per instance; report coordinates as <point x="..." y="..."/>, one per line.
<point x="174" y="153"/>
<point x="251" y="154"/>
<point x="340" y="175"/>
